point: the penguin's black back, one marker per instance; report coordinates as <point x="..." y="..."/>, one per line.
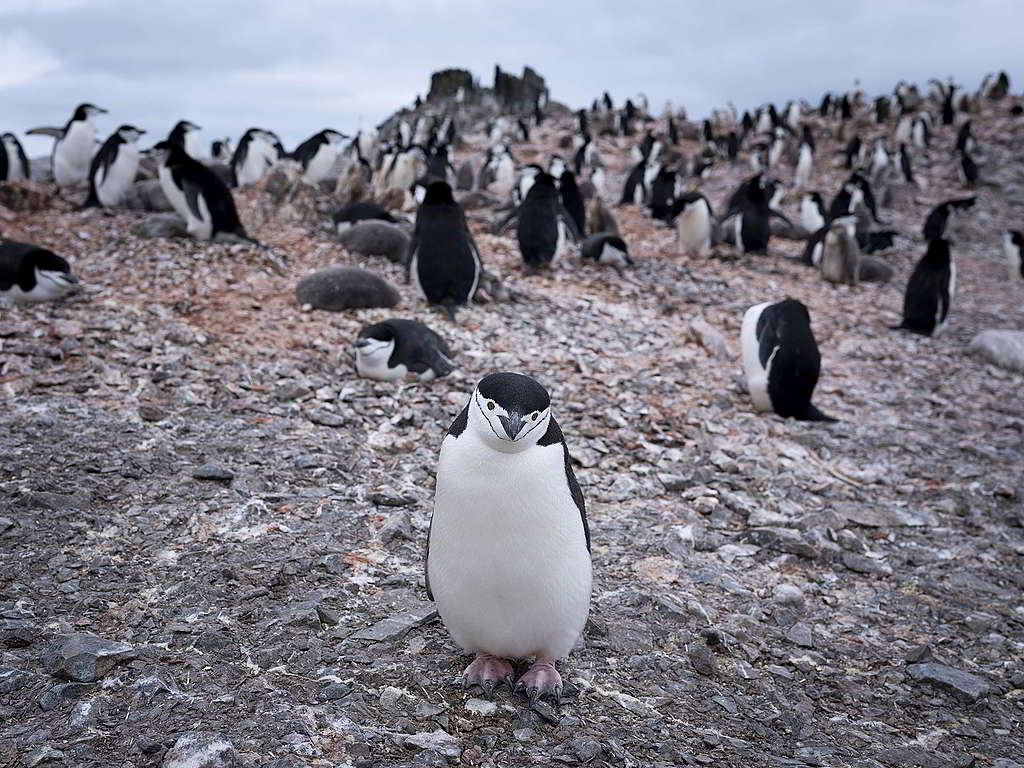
<point x="447" y="264"/>
<point x="19" y="261"/>
<point x="195" y="181"/>
<point x="538" y="221"/>
<point x="663" y="191"/>
<point x="785" y="337"/>
<point x="634" y="180"/>
<point x="361" y="211"/>
<point x="307" y="150"/>
<point x="927" y="299"/>
<point x="417" y="347"/>
<point x="572" y="200"/>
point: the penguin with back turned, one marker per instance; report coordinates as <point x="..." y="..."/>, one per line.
<point x="30" y="274"/>
<point x="113" y="168"/>
<point x="781" y="361"/>
<point x="572" y="200"/>
<point x="508" y="550"/>
<point x="545" y="227"/>
<point x="73" y="149"/>
<point x="930" y="291"/>
<point x="751" y="206"/>
<point x="318" y="153"/>
<point x="198" y="195"/>
<point x="443" y="258"/>
<point x="389" y="350"/>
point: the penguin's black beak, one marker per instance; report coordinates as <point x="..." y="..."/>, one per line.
<point x="513" y="424"/>
<point x="360" y="343"/>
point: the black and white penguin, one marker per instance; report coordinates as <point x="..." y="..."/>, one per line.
<point x="14" y="163"/>
<point x="751" y="205"/>
<point x="185" y="133"/>
<point x="854" y="153"/>
<point x="903" y="162"/>
<point x="544" y="225"/>
<point x="921" y="131"/>
<point x="635" y="190"/>
<point x="840" y="256"/>
<point x="781" y="361"/>
<point x="113" y="168"/>
<point x="693" y="219"/>
<point x="318" y="153"/>
<point x="390" y="350"/>
<point x="198" y="195"/>
<point x="812" y="212"/>
<point x="73" y="150"/>
<point x="508" y="551"/>
<point x="572" y="200"/>
<point x="443" y="258"/>
<point x="732" y="146"/>
<point x="255" y="153"/>
<point x="353" y="213"/>
<point x="879" y="158"/>
<point x="1013" y="249"/>
<point x="663" y="194"/>
<point x="930" y="291"/>
<point x="938" y="218"/>
<point x="964" y="138"/>
<point x="805" y="159"/>
<point x="607" y="248"/>
<point x="969" y="173"/>
<point x="31" y="274"/>
<point x="220" y="151"/>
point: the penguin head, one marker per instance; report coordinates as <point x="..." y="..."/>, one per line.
<point x="333" y="137"/>
<point x="509" y="411"/>
<point x="556" y="166"/>
<point x="185" y="126"/>
<point x="53" y="276"/>
<point x="88" y="111"/>
<point x="375" y="343"/>
<point x="129" y="133"/>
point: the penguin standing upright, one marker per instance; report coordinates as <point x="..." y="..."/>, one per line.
<point x="544" y="225"/>
<point x="14" y="163"/>
<point x="255" y="153"/>
<point x="443" y="259"/>
<point x="30" y="274"/>
<point x="220" y="151"/>
<point x="572" y="201"/>
<point x="805" y="158"/>
<point x="812" y="212"/>
<point x="693" y="216"/>
<point x="185" y="134"/>
<point x="113" y="168"/>
<point x="1013" y="249"/>
<point x="930" y="291"/>
<point x="938" y="218"/>
<point x="968" y="169"/>
<point x="635" y="190"/>
<point x="781" y="361"/>
<point x="73" y="150"/>
<point x="198" y="195"/>
<point x="751" y="205"/>
<point x="508" y="551"/>
<point x="318" y="153"/>
<point x="840" y="258"/>
<point x="663" y="194"/>
<point x="389" y="350"/>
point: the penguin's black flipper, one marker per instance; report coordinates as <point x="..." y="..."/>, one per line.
<point x="499" y="228"/>
<point x="414" y="242"/>
<point x="773" y="212"/>
<point x="570" y="224"/>
<point x="192" y="191"/>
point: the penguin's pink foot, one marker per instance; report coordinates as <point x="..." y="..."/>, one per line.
<point x="541" y="679"/>
<point x="487" y="671"/>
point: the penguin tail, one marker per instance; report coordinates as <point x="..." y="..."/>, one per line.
<point x="449" y="308"/>
<point x="813" y="414"/>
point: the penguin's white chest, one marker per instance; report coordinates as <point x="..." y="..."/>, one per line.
<point x="73" y="152"/>
<point x="15" y="168"/>
<point x="120" y="175"/>
<point x="694" y="228"/>
<point x="755" y="374"/>
<point x="174" y="195"/>
<point x="321" y="163"/>
<point x="508" y="563"/>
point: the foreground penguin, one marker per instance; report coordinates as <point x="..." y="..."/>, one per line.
<point x="443" y="258"/>
<point x="508" y="552"/>
<point x="72" y="151"/>
<point x="30" y="274"/>
<point x="781" y="361"/>
<point x="930" y="291"/>
<point x="389" y="350"/>
<point x="198" y="195"/>
<point x="113" y="168"/>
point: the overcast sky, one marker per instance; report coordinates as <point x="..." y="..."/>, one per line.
<point x="297" y="66"/>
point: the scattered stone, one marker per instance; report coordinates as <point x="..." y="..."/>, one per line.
<point x="335" y="691"/>
<point x="481" y="707"/>
<point x="864" y="564"/>
<point x="709" y="338"/>
<point x="395" y="627"/>
<point x="161" y="225"/>
<point x="12" y="679"/>
<point x="703" y="659"/>
<point x="585" y="749"/>
<point x="213" y="472"/>
<point x="42" y="756"/>
<point x="336" y="289"/>
<point x="84" y="658"/>
<point x="149" y="412"/>
<point x="800" y="634"/>
<point x="326" y="418"/>
<point x="436" y="741"/>
<point x="1002" y="348"/>
<point x="201" y="749"/>
<point x="963" y="685"/>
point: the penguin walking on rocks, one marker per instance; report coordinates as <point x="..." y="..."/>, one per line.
<point x="508" y="551"/>
<point x="781" y="361"/>
<point x="930" y="291"/>
<point x="114" y="167"/>
<point x="30" y="274"/>
<point x="1013" y="249"/>
<point x="318" y="154"/>
<point x="198" y="195"/>
<point x="607" y="248"/>
<point x="443" y="258"/>
<point x="694" y="224"/>
<point x="544" y="225"/>
<point x="840" y="257"/>
<point x="389" y="350"/>
<point x="73" y="149"/>
<point x="14" y="163"/>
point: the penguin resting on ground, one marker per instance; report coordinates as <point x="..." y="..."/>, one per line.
<point x="607" y="248"/>
<point x="30" y="274"/>
<point x="781" y="362"/>
<point x="443" y="258"/>
<point x="113" y="168"/>
<point x="198" y="195"/>
<point x="390" y="350"/>
<point x="508" y="551"/>
<point x="930" y="291"/>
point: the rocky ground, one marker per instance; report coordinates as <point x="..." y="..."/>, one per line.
<point x="212" y="532"/>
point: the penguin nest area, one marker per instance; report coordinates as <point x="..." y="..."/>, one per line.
<point x="189" y="466"/>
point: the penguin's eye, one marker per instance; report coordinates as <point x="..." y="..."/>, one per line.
<point x="534" y="415"/>
<point x="491" y="405"/>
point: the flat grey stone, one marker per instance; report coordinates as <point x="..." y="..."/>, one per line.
<point x="394" y="627"/>
<point x="201" y="749"/>
<point x="963" y="685"/>
<point x="213" y="472"/>
<point x="84" y="658"/>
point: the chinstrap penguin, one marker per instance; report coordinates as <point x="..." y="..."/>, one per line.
<point x="930" y="291"/>
<point x="1013" y="249"/>
<point x="73" y="150"/>
<point x="30" y="274"/>
<point x="14" y="163"/>
<point x="389" y="350"/>
<point x="114" y="167"/>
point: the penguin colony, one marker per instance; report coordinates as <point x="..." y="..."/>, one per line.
<point x="508" y="560"/>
